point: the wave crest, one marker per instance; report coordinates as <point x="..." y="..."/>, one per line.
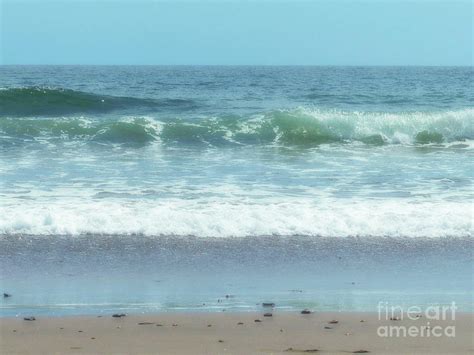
<point x="300" y="127"/>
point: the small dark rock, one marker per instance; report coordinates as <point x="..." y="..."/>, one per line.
<point x="257" y="320"/>
<point x="394" y="318"/>
<point x="174" y="325"/>
<point x="268" y="304"/>
<point x="327" y="327"/>
<point x="118" y="315"/>
<point x="268" y="315"/>
<point x="209" y="325"/>
<point x="306" y="311"/>
<point x="361" y="352"/>
<point x="80" y="331"/>
<point x="146" y="323"/>
<point x="302" y="350"/>
<point x="221" y="341"/>
<point x="93" y="338"/>
<point x="333" y="322"/>
<point x="240" y="323"/>
<point x="159" y="325"/>
<point x="6" y="295"/>
<point x="29" y="318"/>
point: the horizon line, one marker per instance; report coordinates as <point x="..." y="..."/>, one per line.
<point x="245" y="65"/>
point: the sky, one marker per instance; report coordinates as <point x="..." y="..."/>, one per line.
<point x="239" y="32"/>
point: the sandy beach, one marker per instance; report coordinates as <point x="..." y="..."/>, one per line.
<point x="229" y="333"/>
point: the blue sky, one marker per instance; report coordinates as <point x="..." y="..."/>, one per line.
<point x="385" y="32"/>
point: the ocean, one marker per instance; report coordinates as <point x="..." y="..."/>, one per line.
<point x="154" y="188"/>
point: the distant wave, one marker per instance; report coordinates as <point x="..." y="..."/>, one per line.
<point x="299" y="127"/>
<point x="39" y="101"/>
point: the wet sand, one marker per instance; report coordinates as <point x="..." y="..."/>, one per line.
<point x="229" y="333"/>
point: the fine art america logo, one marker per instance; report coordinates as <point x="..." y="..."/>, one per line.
<point x="434" y="321"/>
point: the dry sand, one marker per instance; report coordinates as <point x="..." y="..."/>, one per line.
<point x="221" y="333"/>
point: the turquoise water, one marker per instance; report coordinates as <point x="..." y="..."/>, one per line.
<point x="139" y="156"/>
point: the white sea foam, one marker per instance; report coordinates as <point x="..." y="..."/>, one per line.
<point x="219" y="219"/>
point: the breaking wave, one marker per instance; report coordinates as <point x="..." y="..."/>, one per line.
<point x="299" y="127"/>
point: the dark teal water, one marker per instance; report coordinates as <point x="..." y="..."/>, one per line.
<point x="135" y="154"/>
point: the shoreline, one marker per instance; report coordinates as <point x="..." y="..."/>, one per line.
<point x="95" y="275"/>
<point x="284" y="332"/>
<point x="259" y="309"/>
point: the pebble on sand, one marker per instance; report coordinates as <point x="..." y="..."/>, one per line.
<point x="29" y="318"/>
<point x="306" y="311"/>
<point x="302" y="350"/>
<point x="118" y="315"/>
<point x="268" y="315"/>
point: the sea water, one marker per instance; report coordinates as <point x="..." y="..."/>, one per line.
<point x="157" y="188"/>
